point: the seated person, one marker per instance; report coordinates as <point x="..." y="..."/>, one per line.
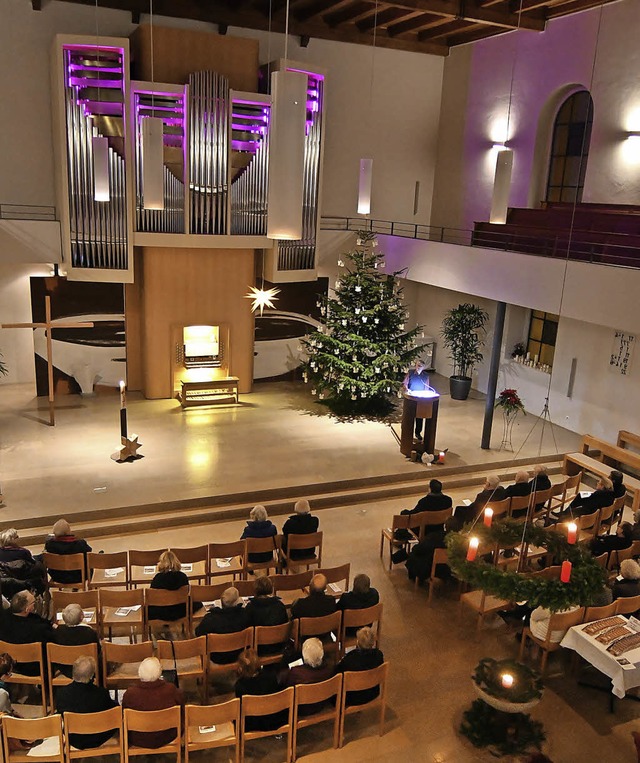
<point x="83" y="696"/>
<point x="314" y="668"/>
<point x="62" y="541"/>
<point x="73" y="632"/>
<point x="260" y="526"/>
<point x="364" y="657"/>
<point x="617" y="482"/>
<point x="539" y="624"/>
<point x="520" y="487"/>
<point x="152" y="693"/>
<point x="254" y="679"/>
<point x="434" y="500"/>
<point x="491" y="492"/>
<point x="630" y="583"/>
<point x="7" y="664"/>
<point x="170" y="577"/>
<point x="618" y="542"/>
<point x="231" y="617"/>
<point x="362" y="595"/>
<point x="266" y="609"/>
<point x="586" y="504"/>
<point x="540" y="480"/>
<point x="20" y="625"/>
<point x="317" y="603"/>
<point x="300" y="523"/>
<point x="18" y="568"/>
<point x="420" y="558"/>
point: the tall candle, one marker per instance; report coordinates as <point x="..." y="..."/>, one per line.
<point x="441" y="457"/>
<point x="488" y="517"/>
<point x="123" y="410"/>
<point x="473" y="549"/>
<point x="506" y="680"/>
<point x="572" y="532"/>
<point x="565" y="573"/>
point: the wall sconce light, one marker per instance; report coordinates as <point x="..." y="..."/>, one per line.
<point x="501" y="186"/>
<point x="631" y="147"/>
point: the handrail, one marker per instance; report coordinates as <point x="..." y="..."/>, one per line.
<point x="27" y="212"/>
<point x="556" y="244"/>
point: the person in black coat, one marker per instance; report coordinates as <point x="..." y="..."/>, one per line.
<point x="540" y="480"/>
<point x="300" y="523"/>
<point x="420" y="558"/>
<point x="602" y="496"/>
<point x="618" y="542"/>
<point x="260" y="526"/>
<point x="169" y="577"/>
<point x="520" y="487"/>
<point x="630" y="583"/>
<point x="267" y="610"/>
<point x="64" y="542"/>
<point x="434" y="500"/>
<point x="20" y="625"/>
<point x="252" y="679"/>
<point x="73" y="632"/>
<point x="232" y="617"/>
<point x="317" y="603"/>
<point x="491" y="492"/>
<point x="362" y="596"/>
<point x="364" y="657"/>
<point x="83" y="696"/>
<point x="617" y="482"/>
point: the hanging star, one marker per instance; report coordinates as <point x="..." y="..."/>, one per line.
<point x="261" y="298"/>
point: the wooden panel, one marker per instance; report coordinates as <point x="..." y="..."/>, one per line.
<point x="190" y="287"/>
<point x="178" y="52"/>
<point x="133" y="323"/>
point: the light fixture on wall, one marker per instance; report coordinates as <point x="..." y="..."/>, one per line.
<point x="152" y="144"/>
<point x="286" y="150"/>
<point x="365" y="176"/>
<point x="631" y="147"/>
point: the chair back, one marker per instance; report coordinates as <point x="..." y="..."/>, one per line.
<point x="309" y="540"/>
<point x="296" y="582"/>
<point x="562" y="621"/>
<point x="161" y="597"/>
<point x="500" y="508"/>
<point x="336" y="575"/>
<point x="519" y="503"/>
<point x="228" y="559"/>
<point x="424" y="519"/>
<point x="140" y="566"/>
<point x="198" y="558"/>
<point x="88" y="600"/>
<point x="107" y="570"/>
<point x="401" y="521"/>
<point x="185" y="649"/>
<point x="32" y="728"/>
<point x="627" y="605"/>
<point x="262" y="546"/>
<point x="357" y="618"/>
<point x="305" y="627"/>
<point x="130" y="655"/>
<point x="225" y="716"/>
<point x="357" y="680"/>
<point x="57" y="654"/>
<point x="154" y="720"/>
<point x="541" y="501"/>
<point x="617" y="556"/>
<point x="269" y="635"/>
<point x="207" y="594"/>
<point x="603" y="559"/>
<point x="573" y="482"/>
<point x="267" y="704"/>
<point x="635" y="549"/>
<point x="440" y="556"/>
<point x="588" y="521"/>
<point x="548" y="573"/>
<point x="309" y="694"/>
<point x="66" y="563"/>
<point x="599" y="613"/>
<point x="229" y="642"/>
<point x="23" y="652"/>
<point x="93" y="723"/>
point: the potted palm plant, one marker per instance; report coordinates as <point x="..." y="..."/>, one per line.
<point x="463" y="331"/>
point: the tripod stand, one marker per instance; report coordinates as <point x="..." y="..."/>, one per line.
<point x="544" y="417"/>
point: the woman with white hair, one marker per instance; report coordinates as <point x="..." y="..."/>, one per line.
<point x="365" y="656"/>
<point x="520" y="487"/>
<point x="630" y="583"/>
<point x="492" y="491"/>
<point x="63" y="541"/>
<point x="152" y="693"/>
<point x="314" y="667"/>
<point x="260" y="526"/>
<point x="18" y="568"/>
<point x="73" y="632"/>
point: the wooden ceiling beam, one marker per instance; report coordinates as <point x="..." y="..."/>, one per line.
<point x="506" y="19"/>
<point x="352" y="14"/>
<point x="319" y="8"/>
<point x="384" y="18"/>
<point x="531" y="5"/>
<point x="417" y="24"/>
<point x="575" y="6"/>
<point x="451" y="26"/>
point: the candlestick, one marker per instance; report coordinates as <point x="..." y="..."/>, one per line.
<point x="572" y="532"/>
<point x="123" y="410"/>
<point x="473" y="549"/>
<point x="565" y="573"/>
<point x="507" y="680"/>
<point x="488" y="517"/>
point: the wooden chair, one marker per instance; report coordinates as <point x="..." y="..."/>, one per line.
<point x="108" y="570"/>
<point x="268" y="704"/>
<point x="120" y="662"/>
<point x="27" y="653"/>
<point x="88" y="600"/>
<point x="262" y="546"/>
<point x="611" y="515"/>
<point x="271" y="635"/>
<point x="225" y="642"/>
<point x="66" y="655"/>
<point x="160" y="597"/>
<point x="426" y="519"/>
<point x="190" y="658"/>
<point x="142" y="566"/>
<point x="559" y="621"/>
<point x="122" y="613"/>
<point x="399" y="522"/>
<point x="207" y="595"/>
<point x="500" y="508"/>
<point x="49" y="727"/>
<point x="440" y="556"/>
<point x="358" y="681"/>
<point x="310" y="694"/>
<point x="66" y="563"/>
<point x="236" y="554"/>
<point x="483" y="604"/>
<point x="246" y="588"/>
<point x="541" y="499"/>
<point x="604" y="523"/>
<point x="588" y="525"/>
<point x="291" y="587"/>
<point x="599" y="613"/>
<point x="603" y="560"/>
<point x="570" y="488"/>
<point x="94" y="723"/>
<point x="295" y="543"/>
<point x="617" y="556"/>
<point x="198" y="558"/>
<point x="306" y="627"/>
<point x="337" y="579"/>
<point x="223" y="720"/>
<point x="518" y="504"/>
<point x="153" y="720"/>
<point x="635" y="549"/>
<point x="627" y="605"/>
<point x="352" y="619"/>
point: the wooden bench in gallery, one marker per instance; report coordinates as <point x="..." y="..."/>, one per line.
<point x="609" y="457"/>
<point x="209" y="392"/>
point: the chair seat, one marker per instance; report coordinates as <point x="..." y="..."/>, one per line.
<point x="491" y="603"/>
<point x="127" y="670"/>
<point x="187" y="665"/>
<point x="223" y="732"/>
<point x="111" y="742"/>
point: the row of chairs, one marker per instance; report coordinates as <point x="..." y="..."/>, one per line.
<point x="205" y="726"/>
<point x="125" y="612"/>
<point x="201" y="564"/>
<point x="120" y="661"/>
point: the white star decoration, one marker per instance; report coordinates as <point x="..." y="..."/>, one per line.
<point x="261" y="298"/>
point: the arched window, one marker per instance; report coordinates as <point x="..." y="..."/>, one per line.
<point x="570" y="148"/>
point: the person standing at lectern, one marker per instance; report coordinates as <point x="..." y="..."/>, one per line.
<point x="417" y="380"/>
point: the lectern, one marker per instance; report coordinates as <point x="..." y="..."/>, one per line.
<point x="419" y="405"/>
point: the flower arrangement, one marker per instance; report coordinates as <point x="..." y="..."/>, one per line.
<point x="510" y="402"/>
<point x="518" y="350"/>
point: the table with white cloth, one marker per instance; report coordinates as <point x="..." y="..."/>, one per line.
<point x="623" y="677"/>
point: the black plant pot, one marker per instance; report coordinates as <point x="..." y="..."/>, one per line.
<point x="459" y="386"/>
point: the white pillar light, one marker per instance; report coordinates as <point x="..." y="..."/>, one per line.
<point x="286" y="155"/>
<point x="100" y="148"/>
<point x="152" y="163"/>
<point x="501" y="186"/>
<point x="364" y="186"/>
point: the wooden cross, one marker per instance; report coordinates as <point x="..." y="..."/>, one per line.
<point x="48" y="326"/>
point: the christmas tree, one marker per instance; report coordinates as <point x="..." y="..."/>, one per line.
<point x="357" y="360"/>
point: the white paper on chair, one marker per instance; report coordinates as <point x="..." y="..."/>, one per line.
<point x="295" y="663"/>
<point x="585" y="493"/>
<point x="467" y="502"/>
<point x="349" y="649"/>
<point x="124" y="611"/>
<point x="335" y="587"/>
<point x="49" y="747"/>
<point x="114" y="572"/>
<point x="149" y="570"/>
<point x="207" y="729"/>
<point x="224" y="562"/>
<point x="187" y="567"/>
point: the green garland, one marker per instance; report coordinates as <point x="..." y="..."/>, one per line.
<point x="527" y="684"/>
<point x="587" y="577"/>
<point x="503" y="734"/>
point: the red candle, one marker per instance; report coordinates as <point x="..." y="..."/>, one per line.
<point x="441" y="457"/>
<point x="488" y="517"/>
<point x="473" y="549"/>
<point x="565" y="574"/>
<point x="572" y="532"/>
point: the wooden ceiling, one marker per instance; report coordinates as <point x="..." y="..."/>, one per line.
<point x="423" y="26"/>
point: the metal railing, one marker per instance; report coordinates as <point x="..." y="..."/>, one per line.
<point x="526" y="241"/>
<point x="26" y="212"/>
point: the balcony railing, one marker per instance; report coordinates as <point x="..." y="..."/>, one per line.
<point x="26" y="212"/>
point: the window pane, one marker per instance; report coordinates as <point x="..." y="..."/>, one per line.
<point x="569" y="195"/>
<point x="549" y="332"/>
<point x="572" y="170"/>
<point x="557" y="171"/>
<point x="533" y="348"/>
<point x="535" y="332"/>
<point x="546" y="354"/>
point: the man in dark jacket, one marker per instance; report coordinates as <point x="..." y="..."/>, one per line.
<point x="520" y="488"/>
<point x="434" y="500"/>
<point x="300" y="523"/>
<point x="265" y="608"/>
<point x="492" y="492"/>
<point x="20" y="625"/>
<point x="317" y="603"/>
<point x="602" y="496"/>
<point x="362" y="596"/>
<point x="63" y="541"/>
<point x="83" y="696"/>
<point x="231" y="617"/>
